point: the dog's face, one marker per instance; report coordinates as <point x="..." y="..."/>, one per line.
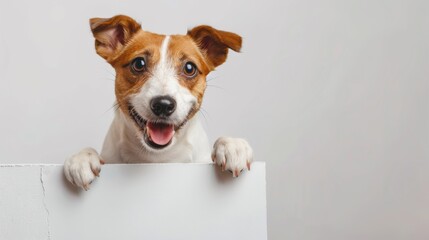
<point x="160" y="80"/>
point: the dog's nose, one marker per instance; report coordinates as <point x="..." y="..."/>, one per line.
<point x="163" y="106"/>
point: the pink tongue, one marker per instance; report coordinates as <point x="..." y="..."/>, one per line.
<point x="160" y="134"/>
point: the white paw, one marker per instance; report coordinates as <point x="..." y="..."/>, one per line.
<point x="82" y="168"/>
<point x="233" y="154"/>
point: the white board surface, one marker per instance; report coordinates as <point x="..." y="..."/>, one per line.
<point x="138" y="201"/>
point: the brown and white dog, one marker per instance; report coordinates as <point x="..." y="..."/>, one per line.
<point x="159" y="87"/>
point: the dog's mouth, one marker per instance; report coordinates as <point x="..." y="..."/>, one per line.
<point x="157" y="134"/>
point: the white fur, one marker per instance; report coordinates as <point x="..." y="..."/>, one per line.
<point x="83" y="167"/>
<point x="233" y="154"/>
<point x="124" y="142"/>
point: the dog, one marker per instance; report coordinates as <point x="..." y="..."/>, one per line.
<point x="159" y="87"/>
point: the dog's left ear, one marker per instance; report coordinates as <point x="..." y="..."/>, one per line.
<point x="214" y="43"/>
<point x="111" y="34"/>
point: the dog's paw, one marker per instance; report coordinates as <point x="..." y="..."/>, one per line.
<point x="82" y="168"/>
<point x="233" y="154"/>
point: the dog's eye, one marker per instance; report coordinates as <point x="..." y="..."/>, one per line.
<point x="190" y="69"/>
<point x="138" y="65"/>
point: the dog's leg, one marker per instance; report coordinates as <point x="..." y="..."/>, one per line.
<point x="233" y="154"/>
<point x="82" y="168"/>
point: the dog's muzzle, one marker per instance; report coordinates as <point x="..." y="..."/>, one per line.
<point x="158" y="133"/>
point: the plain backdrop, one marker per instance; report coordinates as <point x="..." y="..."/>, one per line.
<point x="332" y="95"/>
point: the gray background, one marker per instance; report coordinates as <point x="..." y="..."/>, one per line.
<point x="333" y="95"/>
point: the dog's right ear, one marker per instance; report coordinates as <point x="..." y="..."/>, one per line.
<point x="215" y="43"/>
<point x="111" y="34"/>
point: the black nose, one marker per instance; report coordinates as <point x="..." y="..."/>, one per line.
<point x="163" y="106"/>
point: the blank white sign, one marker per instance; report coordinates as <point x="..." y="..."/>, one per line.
<point x="139" y="201"/>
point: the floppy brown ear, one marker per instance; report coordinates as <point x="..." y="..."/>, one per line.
<point x="111" y="34"/>
<point x="215" y="43"/>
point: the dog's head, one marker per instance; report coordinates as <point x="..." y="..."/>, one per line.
<point x="160" y="80"/>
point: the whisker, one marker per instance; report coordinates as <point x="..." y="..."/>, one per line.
<point x="110" y="72"/>
<point x="204" y="115"/>
<point x="212" y="78"/>
<point x="115" y="108"/>
<point x="215" y="86"/>
<point x="204" y="111"/>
